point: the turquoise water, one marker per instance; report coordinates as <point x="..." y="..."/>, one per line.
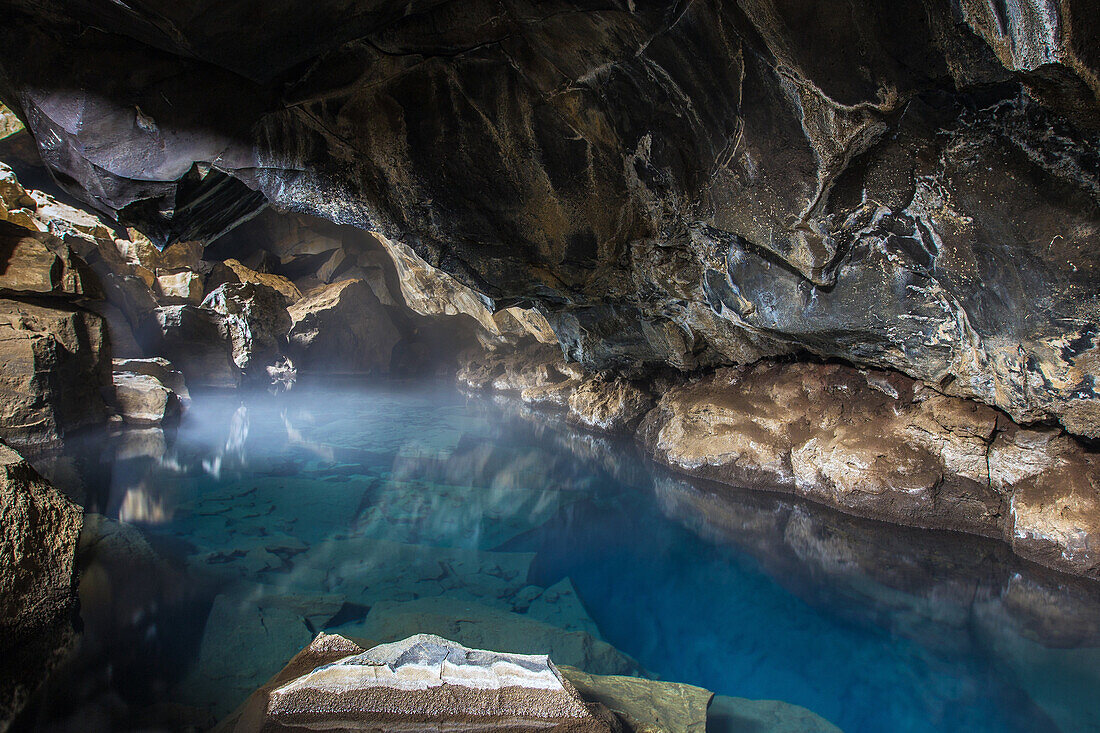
<point x="382" y="511"/>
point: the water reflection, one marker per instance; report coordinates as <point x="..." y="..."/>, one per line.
<point x="379" y="513"/>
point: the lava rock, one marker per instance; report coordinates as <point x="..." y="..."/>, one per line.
<point x="787" y="195"/>
<point x="39" y="529"/>
<point x="342" y="327"/>
<point x="609" y="405"/>
<point x="196" y="340"/>
<point x="141" y="399"/>
<point x="257" y="320"/>
<point x="159" y="368"/>
<point x="882" y="446"/>
<point x="233" y="271"/>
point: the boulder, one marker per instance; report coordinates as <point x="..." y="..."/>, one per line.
<point x="196" y="340"/>
<point x="342" y="327"/>
<point x="423" y="680"/>
<point x="38" y="264"/>
<point x="39" y="529"/>
<point x="56" y="366"/>
<point x="159" y="368"/>
<point x="141" y="399"/>
<point x="257" y="320"/>
<point x="481" y="625"/>
<point x="16" y="205"/>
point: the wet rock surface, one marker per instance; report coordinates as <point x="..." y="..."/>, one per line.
<point x="882" y="446"/>
<point x="39" y="528"/>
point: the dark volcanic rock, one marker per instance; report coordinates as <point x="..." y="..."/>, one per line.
<point x="909" y="184"/>
<point x="342" y="328"/>
<point x="196" y="340"/>
<point x="39" y="528"/>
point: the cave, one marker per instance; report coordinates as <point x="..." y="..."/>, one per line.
<point x="619" y="366"/>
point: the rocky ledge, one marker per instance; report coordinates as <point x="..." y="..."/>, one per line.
<point x="871" y="443"/>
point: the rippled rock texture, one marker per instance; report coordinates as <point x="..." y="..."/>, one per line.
<point x="910" y="185"/>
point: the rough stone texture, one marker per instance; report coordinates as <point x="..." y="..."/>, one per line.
<point x="159" y="368"/>
<point x="257" y="320"/>
<point x="237" y="272"/>
<point x="179" y="287"/>
<point x="609" y="405"/>
<point x="196" y="340"/>
<point x="342" y="327"/>
<point x="429" y="291"/>
<point x="56" y="363"/>
<point x="37" y="264"/>
<point x="649" y="706"/>
<point x="880" y="445"/>
<point x="930" y="203"/>
<point x="39" y="528"/>
<point x="472" y="689"/>
<point x="9" y="123"/>
<point x="142" y="400"/>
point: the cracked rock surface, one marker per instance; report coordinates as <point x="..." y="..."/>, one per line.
<point x="909" y="185"/>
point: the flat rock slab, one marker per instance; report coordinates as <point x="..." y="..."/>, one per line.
<point x="424" y="682"/>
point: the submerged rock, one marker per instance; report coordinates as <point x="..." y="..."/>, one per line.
<point x="342" y="327"/>
<point x="483" y="626"/>
<point x="737" y="715"/>
<point x="39" y="529"/>
<point x="648" y="706"/>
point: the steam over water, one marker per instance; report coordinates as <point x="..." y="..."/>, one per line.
<point x="378" y="512"/>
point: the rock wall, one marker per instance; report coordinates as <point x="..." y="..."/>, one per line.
<point x="909" y="185"/>
<point x="870" y="443"/>
<point x="39" y="528"/>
